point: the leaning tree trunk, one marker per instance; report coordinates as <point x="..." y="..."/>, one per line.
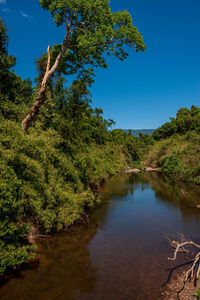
<point x="41" y="93"/>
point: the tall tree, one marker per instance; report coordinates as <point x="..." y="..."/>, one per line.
<point x="92" y="31"/>
<point x="6" y="61"/>
<point x="13" y="90"/>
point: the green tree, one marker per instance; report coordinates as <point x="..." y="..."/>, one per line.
<point x="15" y="93"/>
<point x="6" y="61"/>
<point x="92" y="31"/>
<point x="184" y="120"/>
<point x="166" y="130"/>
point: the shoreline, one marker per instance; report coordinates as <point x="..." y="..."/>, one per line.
<point x="169" y="292"/>
<point x="174" y="289"/>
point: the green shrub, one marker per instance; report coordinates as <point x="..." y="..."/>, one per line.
<point x="42" y="184"/>
<point x="13" y="248"/>
<point x="196" y="180"/>
<point x="171" y="165"/>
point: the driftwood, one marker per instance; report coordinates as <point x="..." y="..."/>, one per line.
<point x="180" y="246"/>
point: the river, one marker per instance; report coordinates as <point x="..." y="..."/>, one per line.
<point x="122" y="252"/>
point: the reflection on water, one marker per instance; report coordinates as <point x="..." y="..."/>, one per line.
<point x="122" y="252"/>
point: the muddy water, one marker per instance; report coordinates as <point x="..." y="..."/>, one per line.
<point x="122" y="252"/>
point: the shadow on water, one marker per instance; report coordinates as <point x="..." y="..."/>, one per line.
<point x="65" y="268"/>
<point x="122" y="252"/>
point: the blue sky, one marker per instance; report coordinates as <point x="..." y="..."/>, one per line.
<point x="145" y="90"/>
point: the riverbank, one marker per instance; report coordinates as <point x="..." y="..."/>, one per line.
<point x="121" y="251"/>
<point x="46" y="184"/>
<point x="174" y="289"/>
<point x="178" y="156"/>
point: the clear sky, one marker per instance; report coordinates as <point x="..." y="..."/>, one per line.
<point x="145" y="90"/>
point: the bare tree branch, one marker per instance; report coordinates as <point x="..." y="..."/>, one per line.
<point x="49" y="59"/>
<point x="194" y="270"/>
<point x="179" y="247"/>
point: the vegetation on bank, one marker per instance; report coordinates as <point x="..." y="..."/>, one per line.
<point x="177" y="146"/>
<point x="49" y="174"/>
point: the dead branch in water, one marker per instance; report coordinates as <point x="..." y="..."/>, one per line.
<point x="194" y="270"/>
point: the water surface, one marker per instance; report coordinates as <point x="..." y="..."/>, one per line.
<point x="122" y="252"/>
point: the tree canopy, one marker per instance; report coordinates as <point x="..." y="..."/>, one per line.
<point x="92" y="32"/>
<point x="12" y="88"/>
<point x="186" y="120"/>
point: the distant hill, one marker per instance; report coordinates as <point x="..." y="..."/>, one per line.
<point x="136" y="132"/>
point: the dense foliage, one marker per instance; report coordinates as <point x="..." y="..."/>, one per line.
<point x="186" y="120"/>
<point x="49" y="175"/>
<point x="177" y="146"/>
